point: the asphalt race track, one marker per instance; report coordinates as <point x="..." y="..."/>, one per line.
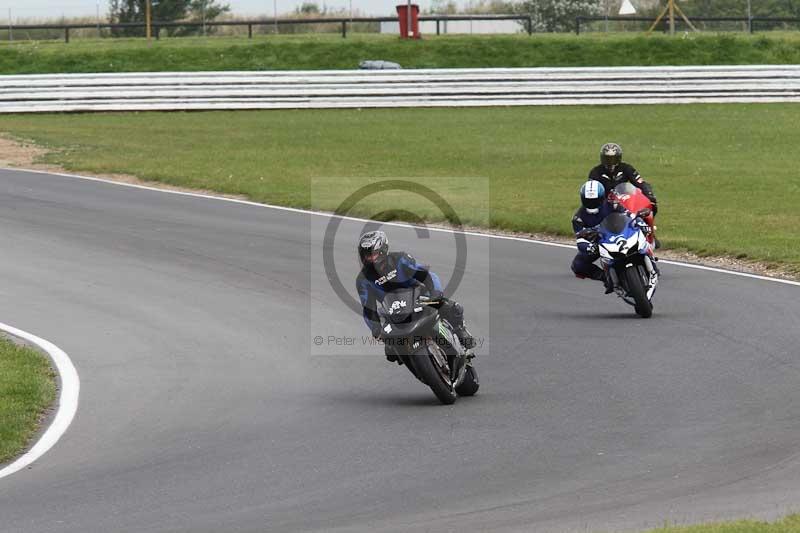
<point x="206" y="407"/>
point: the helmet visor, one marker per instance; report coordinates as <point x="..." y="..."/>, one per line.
<point x="370" y="257"/>
<point x="592" y="203"/>
<point x="611" y="161"/>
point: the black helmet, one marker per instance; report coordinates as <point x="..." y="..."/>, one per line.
<point x="592" y="196"/>
<point x="610" y="156"/>
<point x="373" y="247"/>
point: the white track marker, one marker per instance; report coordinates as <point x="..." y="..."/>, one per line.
<point x="67" y="401"/>
<point x="486" y="234"/>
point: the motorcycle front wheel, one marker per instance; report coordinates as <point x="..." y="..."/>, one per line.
<point x="636" y="288"/>
<point x="432" y="367"/>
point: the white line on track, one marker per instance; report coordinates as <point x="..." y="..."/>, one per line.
<point x="397" y="224"/>
<point x="67" y="402"/>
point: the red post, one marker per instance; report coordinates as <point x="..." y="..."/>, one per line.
<point x="404" y="18"/>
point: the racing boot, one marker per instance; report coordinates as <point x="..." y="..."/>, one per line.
<point x="465" y="338"/>
<point x="456" y="315"/>
<point x="600" y="275"/>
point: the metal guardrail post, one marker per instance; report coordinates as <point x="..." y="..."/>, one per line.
<point x="577" y="25"/>
<point x="437" y="27"/>
<point x="530" y="25"/>
<point x="344" y="29"/>
<point x="66" y="35"/>
<point x="249" y="31"/>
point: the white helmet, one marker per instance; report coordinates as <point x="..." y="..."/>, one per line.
<point x="593" y="194"/>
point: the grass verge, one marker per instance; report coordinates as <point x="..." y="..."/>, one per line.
<point x="790" y="524"/>
<point x="725" y="174"/>
<point x="27" y="389"/>
<point x="325" y="51"/>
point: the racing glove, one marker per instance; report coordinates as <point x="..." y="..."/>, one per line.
<point x="589" y="234"/>
<point x="652" y="198"/>
<point x="642" y="225"/>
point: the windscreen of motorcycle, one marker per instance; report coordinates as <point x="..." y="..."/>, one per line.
<point x="625" y="189"/>
<point x="398" y="305"/>
<point x="615" y="224"/>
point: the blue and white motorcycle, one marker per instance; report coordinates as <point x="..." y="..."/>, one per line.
<point x="628" y="260"/>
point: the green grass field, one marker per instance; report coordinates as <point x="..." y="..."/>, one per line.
<point x="27" y="388"/>
<point x="725" y="174"/>
<point x="329" y="51"/>
<point x="790" y="524"/>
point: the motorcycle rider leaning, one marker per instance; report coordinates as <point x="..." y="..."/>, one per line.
<point x="383" y="271"/>
<point x="594" y="208"/>
<point x="612" y="171"/>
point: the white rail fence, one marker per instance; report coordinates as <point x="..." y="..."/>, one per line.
<point x="399" y="88"/>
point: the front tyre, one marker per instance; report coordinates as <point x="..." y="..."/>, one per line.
<point x="432" y="367"/>
<point x="643" y="306"/>
<point x="470" y="384"/>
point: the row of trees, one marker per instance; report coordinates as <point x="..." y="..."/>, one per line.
<point x="547" y="15"/>
<point x="559" y="15"/>
<point x="738" y="8"/>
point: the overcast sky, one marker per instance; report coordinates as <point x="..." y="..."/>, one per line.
<point x="69" y="8"/>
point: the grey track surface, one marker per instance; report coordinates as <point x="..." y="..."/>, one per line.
<point x="203" y="407"/>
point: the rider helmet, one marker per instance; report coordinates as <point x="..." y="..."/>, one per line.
<point x="592" y="196"/>
<point x="373" y="248"/>
<point x="610" y="156"/>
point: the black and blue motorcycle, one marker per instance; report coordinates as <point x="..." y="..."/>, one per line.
<point x="426" y="344"/>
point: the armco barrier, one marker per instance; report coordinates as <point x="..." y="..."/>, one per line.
<point x="398" y="88"/>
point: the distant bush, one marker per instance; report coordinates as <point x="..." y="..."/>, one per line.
<point x="557" y="15"/>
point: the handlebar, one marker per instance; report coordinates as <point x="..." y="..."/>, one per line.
<point x="588" y="234"/>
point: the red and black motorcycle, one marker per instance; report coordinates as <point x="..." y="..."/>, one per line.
<point x="635" y="201"/>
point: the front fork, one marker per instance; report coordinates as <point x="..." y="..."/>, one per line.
<point x="611" y="273"/>
<point x="648" y="264"/>
<point x="457" y="362"/>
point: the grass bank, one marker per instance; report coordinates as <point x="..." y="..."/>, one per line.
<point x="325" y="51"/>
<point x="725" y="174"/>
<point x="790" y="524"/>
<point x="27" y="388"/>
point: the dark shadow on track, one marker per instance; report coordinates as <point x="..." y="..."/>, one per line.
<point x="393" y="400"/>
<point x="580" y="316"/>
